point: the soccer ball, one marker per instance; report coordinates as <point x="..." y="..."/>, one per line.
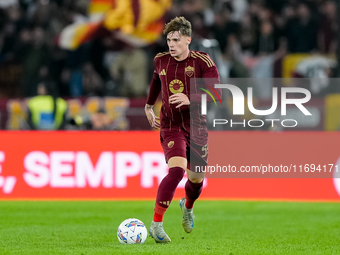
<point x="132" y="231"/>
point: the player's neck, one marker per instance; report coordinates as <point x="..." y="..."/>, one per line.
<point x="183" y="56"/>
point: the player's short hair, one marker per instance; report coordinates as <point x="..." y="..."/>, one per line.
<point x="180" y="24"/>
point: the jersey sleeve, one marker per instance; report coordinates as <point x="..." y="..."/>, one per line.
<point x="155" y="88"/>
<point x="210" y="77"/>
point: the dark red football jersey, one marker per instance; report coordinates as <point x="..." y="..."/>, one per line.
<point x="172" y="76"/>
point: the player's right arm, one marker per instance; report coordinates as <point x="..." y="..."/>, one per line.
<point x="155" y="89"/>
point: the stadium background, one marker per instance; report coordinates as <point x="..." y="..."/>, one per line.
<point x="246" y="39"/>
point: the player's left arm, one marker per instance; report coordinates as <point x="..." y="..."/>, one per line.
<point x="210" y="77"/>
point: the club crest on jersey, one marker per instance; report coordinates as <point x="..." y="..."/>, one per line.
<point x="171" y="144"/>
<point x="189" y="71"/>
<point x="176" y="86"/>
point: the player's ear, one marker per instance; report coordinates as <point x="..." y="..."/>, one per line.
<point x="189" y="40"/>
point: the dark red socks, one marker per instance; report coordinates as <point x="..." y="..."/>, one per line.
<point x="192" y="192"/>
<point x="166" y="191"/>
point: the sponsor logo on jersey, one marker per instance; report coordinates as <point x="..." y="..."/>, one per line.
<point x="162" y="72"/>
<point x="176" y="86"/>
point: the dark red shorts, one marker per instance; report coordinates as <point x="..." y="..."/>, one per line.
<point x="176" y="143"/>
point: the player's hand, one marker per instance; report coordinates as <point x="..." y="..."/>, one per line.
<point x="180" y="99"/>
<point x="152" y="118"/>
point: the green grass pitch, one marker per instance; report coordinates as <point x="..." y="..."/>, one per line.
<point x="221" y="227"/>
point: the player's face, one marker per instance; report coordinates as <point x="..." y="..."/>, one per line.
<point x="178" y="45"/>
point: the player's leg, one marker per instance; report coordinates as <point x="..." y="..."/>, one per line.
<point x="193" y="189"/>
<point x="165" y="194"/>
<point x="174" y="147"/>
<point x="168" y="185"/>
<point x="197" y="156"/>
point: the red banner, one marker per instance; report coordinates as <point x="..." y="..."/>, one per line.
<point x="129" y="165"/>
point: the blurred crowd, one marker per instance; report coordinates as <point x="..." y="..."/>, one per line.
<point x="29" y="52"/>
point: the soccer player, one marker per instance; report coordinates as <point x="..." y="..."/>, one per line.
<point x="173" y="72"/>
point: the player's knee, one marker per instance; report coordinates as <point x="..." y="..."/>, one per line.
<point x="177" y="161"/>
<point x="196" y="180"/>
<point x="177" y="172"/>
